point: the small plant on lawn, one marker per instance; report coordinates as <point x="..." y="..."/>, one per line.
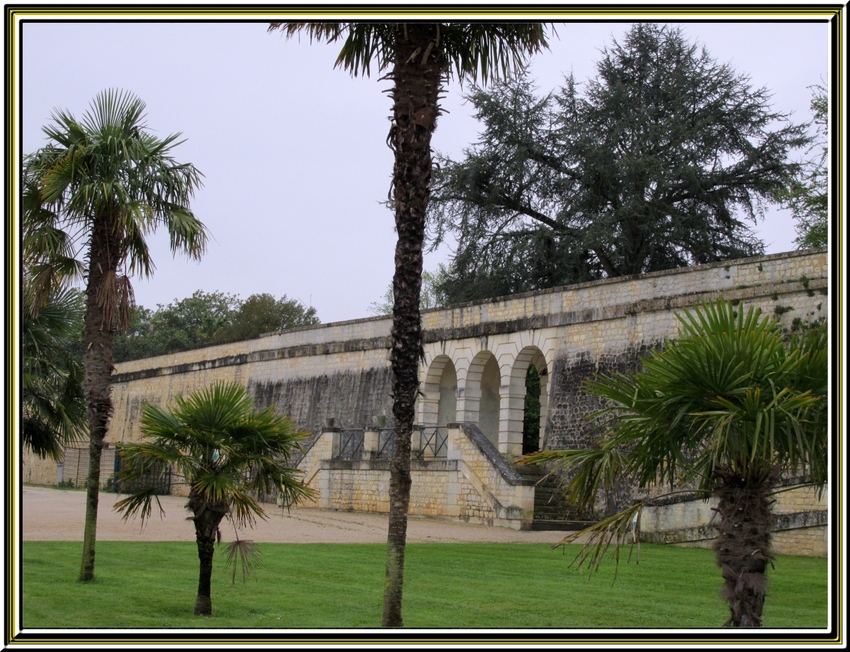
<point x="225" y="452"/>
<point x="727" y="408"/>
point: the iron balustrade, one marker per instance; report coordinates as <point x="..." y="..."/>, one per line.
<point x="386" y="443"/>
<point x="433" y="443"/>
<point x="433" y="440"/>
<point x="350" y="444"/>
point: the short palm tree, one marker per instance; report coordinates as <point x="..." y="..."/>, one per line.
<point x="91" y="196"/>
<point x="726" y="409"/>
<point x="225" y="453"/>
<point x="421" y="56"/>
<point x="52" y="372"/>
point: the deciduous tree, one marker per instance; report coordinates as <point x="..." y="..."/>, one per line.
<point x="262" y="313"/>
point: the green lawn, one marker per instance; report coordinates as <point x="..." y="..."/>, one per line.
<point x="448" y="586"/>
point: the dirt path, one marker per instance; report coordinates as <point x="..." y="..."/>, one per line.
<point x="57" y="515"/>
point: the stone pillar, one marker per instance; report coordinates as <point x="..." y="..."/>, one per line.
<point x="468" y="404"/>
<point x="416" y="441"/>
<point x="370" y="444"/>
<point x="331" y="435"/>
<point x="511" y="413"/>
<point x="429" y="407"/>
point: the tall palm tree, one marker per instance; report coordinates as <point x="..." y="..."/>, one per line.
<point x="224" y="452"/>
<point x="421" y="57"/>
<point x="91" y="196"/>
<point x="726" y="409"/>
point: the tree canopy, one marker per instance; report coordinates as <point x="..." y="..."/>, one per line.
<point x="430" y="296"/>
<point x="207" y="318"/>
<point x="808" y="195"/>
<point x="665" y="159"/>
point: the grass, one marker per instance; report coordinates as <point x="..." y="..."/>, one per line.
<point x="507" y="586"/>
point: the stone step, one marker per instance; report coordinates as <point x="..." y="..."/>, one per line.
<point x="559" y="525"/>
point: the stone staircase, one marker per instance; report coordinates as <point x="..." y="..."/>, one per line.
<point x="550" y="512"/>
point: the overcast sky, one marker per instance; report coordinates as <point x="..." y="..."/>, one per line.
<point x="293" y="151"/>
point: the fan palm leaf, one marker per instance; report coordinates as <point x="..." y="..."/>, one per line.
<point x="724" y="409"/>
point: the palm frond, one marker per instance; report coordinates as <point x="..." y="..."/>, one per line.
<point x="614" y="530"/>
<point x="139" y="504"/>
<point x="248" y="554"/>
<point x="475" y="50"/>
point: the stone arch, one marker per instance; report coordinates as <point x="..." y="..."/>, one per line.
<point x="438" y="402"/>
<point x="513" y="399"/>
<point x="480" y="400"/>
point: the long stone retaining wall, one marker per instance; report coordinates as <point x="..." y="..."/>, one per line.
<point x="474" y="371"/>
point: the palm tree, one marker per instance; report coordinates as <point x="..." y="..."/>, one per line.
<point x="726" y="409"/>
<point x="224" y="452"/>
<point x="52" y="389"/>
<point x="91" y="196"/>
<point x="421" y="57"/>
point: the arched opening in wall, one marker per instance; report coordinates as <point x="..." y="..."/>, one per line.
<point x="488" y="417"/>
<point x="447" y="406"/>
<point x="438" y="401"/>
<point x="531" y="412"/>
<point x="529" y="392"/>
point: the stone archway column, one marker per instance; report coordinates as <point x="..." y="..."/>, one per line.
<point x="429" y="405"/>
<point x="468" y="402"/>
<point x="511" y="414"/>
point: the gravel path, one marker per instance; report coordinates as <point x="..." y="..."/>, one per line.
<point x="57" y="515"/>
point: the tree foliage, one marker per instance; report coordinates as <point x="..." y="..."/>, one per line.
<point x="226" y="453"/>
<point x="725" y="409"/>
<point x="262" y="313"/>
<point x="808" y="195"/>
<point x="54" y="412"/>
<point x="663" y="160"/>
<point x="207" y="318"/>
<point x="431" y="296"/>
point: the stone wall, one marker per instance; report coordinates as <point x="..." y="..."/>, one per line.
<point x="800" y="522"/>
<point x="475" y="364"/>
<point x="472" y="483"/>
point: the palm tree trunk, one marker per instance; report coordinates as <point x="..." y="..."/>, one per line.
<point x="743" y="545"/>
<point x="104" y="255"/>
<point x="417" y="80"/>
<point x="207" y="517"/>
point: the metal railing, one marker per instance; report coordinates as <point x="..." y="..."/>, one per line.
<point x="433" y="442"/>
<point x="350" y="444"/>
<point x="386" y="444"/>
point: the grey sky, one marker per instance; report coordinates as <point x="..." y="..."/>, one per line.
<point x="293" y="151"/>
